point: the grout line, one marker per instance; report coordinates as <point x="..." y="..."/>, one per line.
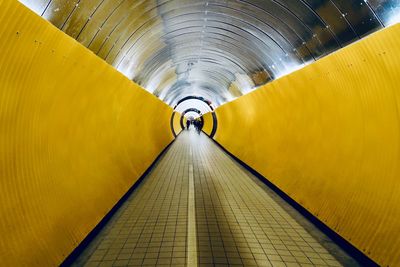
<point x="192" y="238"/>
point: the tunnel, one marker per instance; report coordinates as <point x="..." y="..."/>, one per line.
<point x="296" y="161"/>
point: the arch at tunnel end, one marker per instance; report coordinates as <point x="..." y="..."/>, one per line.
<point x="193" y="97"/>
<point x="175" y="123"/>
<point x="210" y="123"/>
<point x="209" y="118"/>
<point x="195" y="110"/>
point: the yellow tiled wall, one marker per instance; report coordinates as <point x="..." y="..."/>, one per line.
<point x="75" y="134"/>
<point x="208" y="123"/>
<point x="177" y="123"/>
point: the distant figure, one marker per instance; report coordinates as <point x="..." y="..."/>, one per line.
<point x="187" y="124"/>
<point x="200" y="126"/>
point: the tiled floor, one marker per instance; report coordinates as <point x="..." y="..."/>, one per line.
<point x="233" y="218"/>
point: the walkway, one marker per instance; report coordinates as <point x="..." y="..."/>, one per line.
<point x="196" y="194"/>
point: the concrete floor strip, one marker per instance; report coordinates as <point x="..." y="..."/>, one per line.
<point x="192" y="236"/>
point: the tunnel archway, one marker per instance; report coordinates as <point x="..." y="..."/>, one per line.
<point x="172" y="124"/>
<point x="208" y="103"/>
<point x="191" y="110"/>
<point x="215" y="124"/>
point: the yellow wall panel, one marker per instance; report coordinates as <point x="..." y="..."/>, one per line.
<point x="208" y="123"/>
<point x="75" y="135"/>
<point x="328" y="135"/>
<point x="177" y="123"/>
<point x="184" y="121"/>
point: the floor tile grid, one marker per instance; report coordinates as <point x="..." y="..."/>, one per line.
<point x="228" y="242"/>
<point x="149" y="194"/>
<point x="250" y="204"/>
<point x="243" y="253"/>
<point x="169" y="246"/>
<point x="147" y="251"/>
<point x="110" y="243"/>
<point x="261" y="245"/>
<point x="143" y="253"/>
<point x="172" y="249"/>
<point x="202" y="218"/>
<point x="287" y="234"/>
<point x="239" y="222"/>
<point x="289" y="253"/>
<point x="208" y="232"/>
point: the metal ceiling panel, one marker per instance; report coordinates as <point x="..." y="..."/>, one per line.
<point x="216" y="49"/>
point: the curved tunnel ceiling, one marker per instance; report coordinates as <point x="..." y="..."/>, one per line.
<point x="217" y="49"/>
